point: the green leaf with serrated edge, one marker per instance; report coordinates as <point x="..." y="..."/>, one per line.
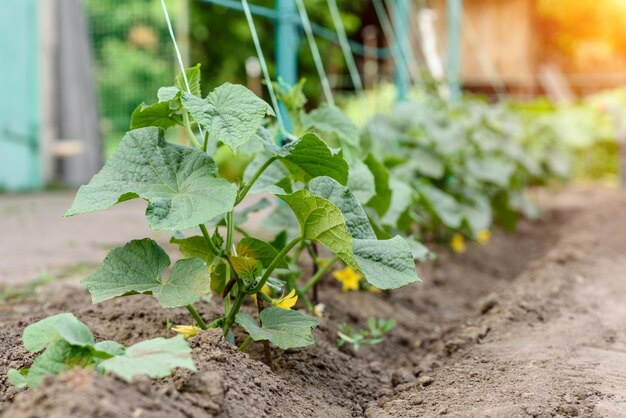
<point x="64" y="327"/>
<point x="138" y="266"/>
<point x="361" y="182"/>
<point x="354" y="216"/>
<point x="387" y="264"/>
<point x="382" y="199"/>
<point x="282" y="327"/>
<point x="246" y="267"/>
<point x="330" y="119"/>
<point x="401" y="199"/>
<point x="58" y="357"/>
<point x="323" y="222"/>
<point x="154" y="358"/>
<point x="193" y="78"/>
<point x="158" y="114"/>
<point x="310" y="157"/>
<point x="259" y="250"/>
<point x="231" y="113"/>
<point x="179" y="183"/>
<point x="195" y="246"/>
<point x="17" y="377"/>
<point x="165" y="94"/>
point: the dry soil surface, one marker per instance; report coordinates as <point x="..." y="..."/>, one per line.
<point x="532" y="325"/>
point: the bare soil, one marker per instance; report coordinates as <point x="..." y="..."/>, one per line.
<point x="531" y="325"/>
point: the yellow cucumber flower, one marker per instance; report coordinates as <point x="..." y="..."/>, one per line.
<point x="186" y="331"/>
<point x="483" y="236"/>
<point x="457" y="243"/>
<point x="286" y="302"/>
<point x="349" y="278"/>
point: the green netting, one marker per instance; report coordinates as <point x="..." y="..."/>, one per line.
<point x="133" y="58"/>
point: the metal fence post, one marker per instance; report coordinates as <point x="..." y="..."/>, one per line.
<point x="453" y="62"/>
<point x="286" y="43"/>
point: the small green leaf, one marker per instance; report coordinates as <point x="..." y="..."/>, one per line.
<point x="195" y="246"/>
<point x="158" y="114"/>
<point x="110" y="348"/>
<point x="18" y="377"/>
<point x="155" y="358"/>
<point x="387" y="264"/>
<point x="246" y="267"/>
<point x="382" y="199"/>
<point x="323" y="222"/>
<point x="231" y="113"/>
<point x="64" y="326"/>
<point x="193" y="78"/>
<point x="282" y="327"/>
<point x="179" y="183"/>
<point x="138" y="267"/>
<point x="260" y="250"/>
<point x="165" y="94"/>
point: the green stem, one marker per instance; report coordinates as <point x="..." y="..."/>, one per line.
<point x="209" y="241"/>
<point x="243" y="192"/>
<point x="230" y="225"/>
<point x="197" y="317"/>
<point x="192" y="136"/>
<point x="230" y="319"/>
<point x="320" y="273"/>
<point x="245" y="344"/>
<point x="205" y="144"/>
<point x="273" y="264"/>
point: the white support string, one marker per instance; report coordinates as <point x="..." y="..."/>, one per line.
<point x="317" y="58"/>
<point x="347" y="51"/>
<point x="178" y="54"/>
<point x="266" y="73"/>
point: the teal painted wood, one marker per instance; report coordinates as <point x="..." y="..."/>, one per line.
<point x="400" y="21"/>
<point x="287" y="41"/>
<point x="453" y="61"/>
<point x="20" y="115"/>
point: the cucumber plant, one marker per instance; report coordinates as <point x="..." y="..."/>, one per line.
<point x="65" y="343"/>
<point x="187" y="196"/>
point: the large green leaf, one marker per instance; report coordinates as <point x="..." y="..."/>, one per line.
<point x="323" y="222"/>
<point x="310" y="157"/>
<point x="282" y="327"/>
<point x="387" y="264"/>
<point x="58" y="357"/>
<point x="179" y="183"/>
<point x="382" y="199"/>
<point x="356" y="219"/>
<point x="138" y="267"/>
<point x="361" y="182"/>
<point x="64" y="326"/>
<point x="158" y="114"/>
<point x="155" y="358"/>
<point x="231" y="113"/>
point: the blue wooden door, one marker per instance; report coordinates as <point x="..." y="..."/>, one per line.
<point x="20" y="115"/>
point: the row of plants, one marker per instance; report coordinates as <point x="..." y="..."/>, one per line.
<point x="360" y="201"/>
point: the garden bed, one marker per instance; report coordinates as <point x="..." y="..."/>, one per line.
<point x="455" y="351"/>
